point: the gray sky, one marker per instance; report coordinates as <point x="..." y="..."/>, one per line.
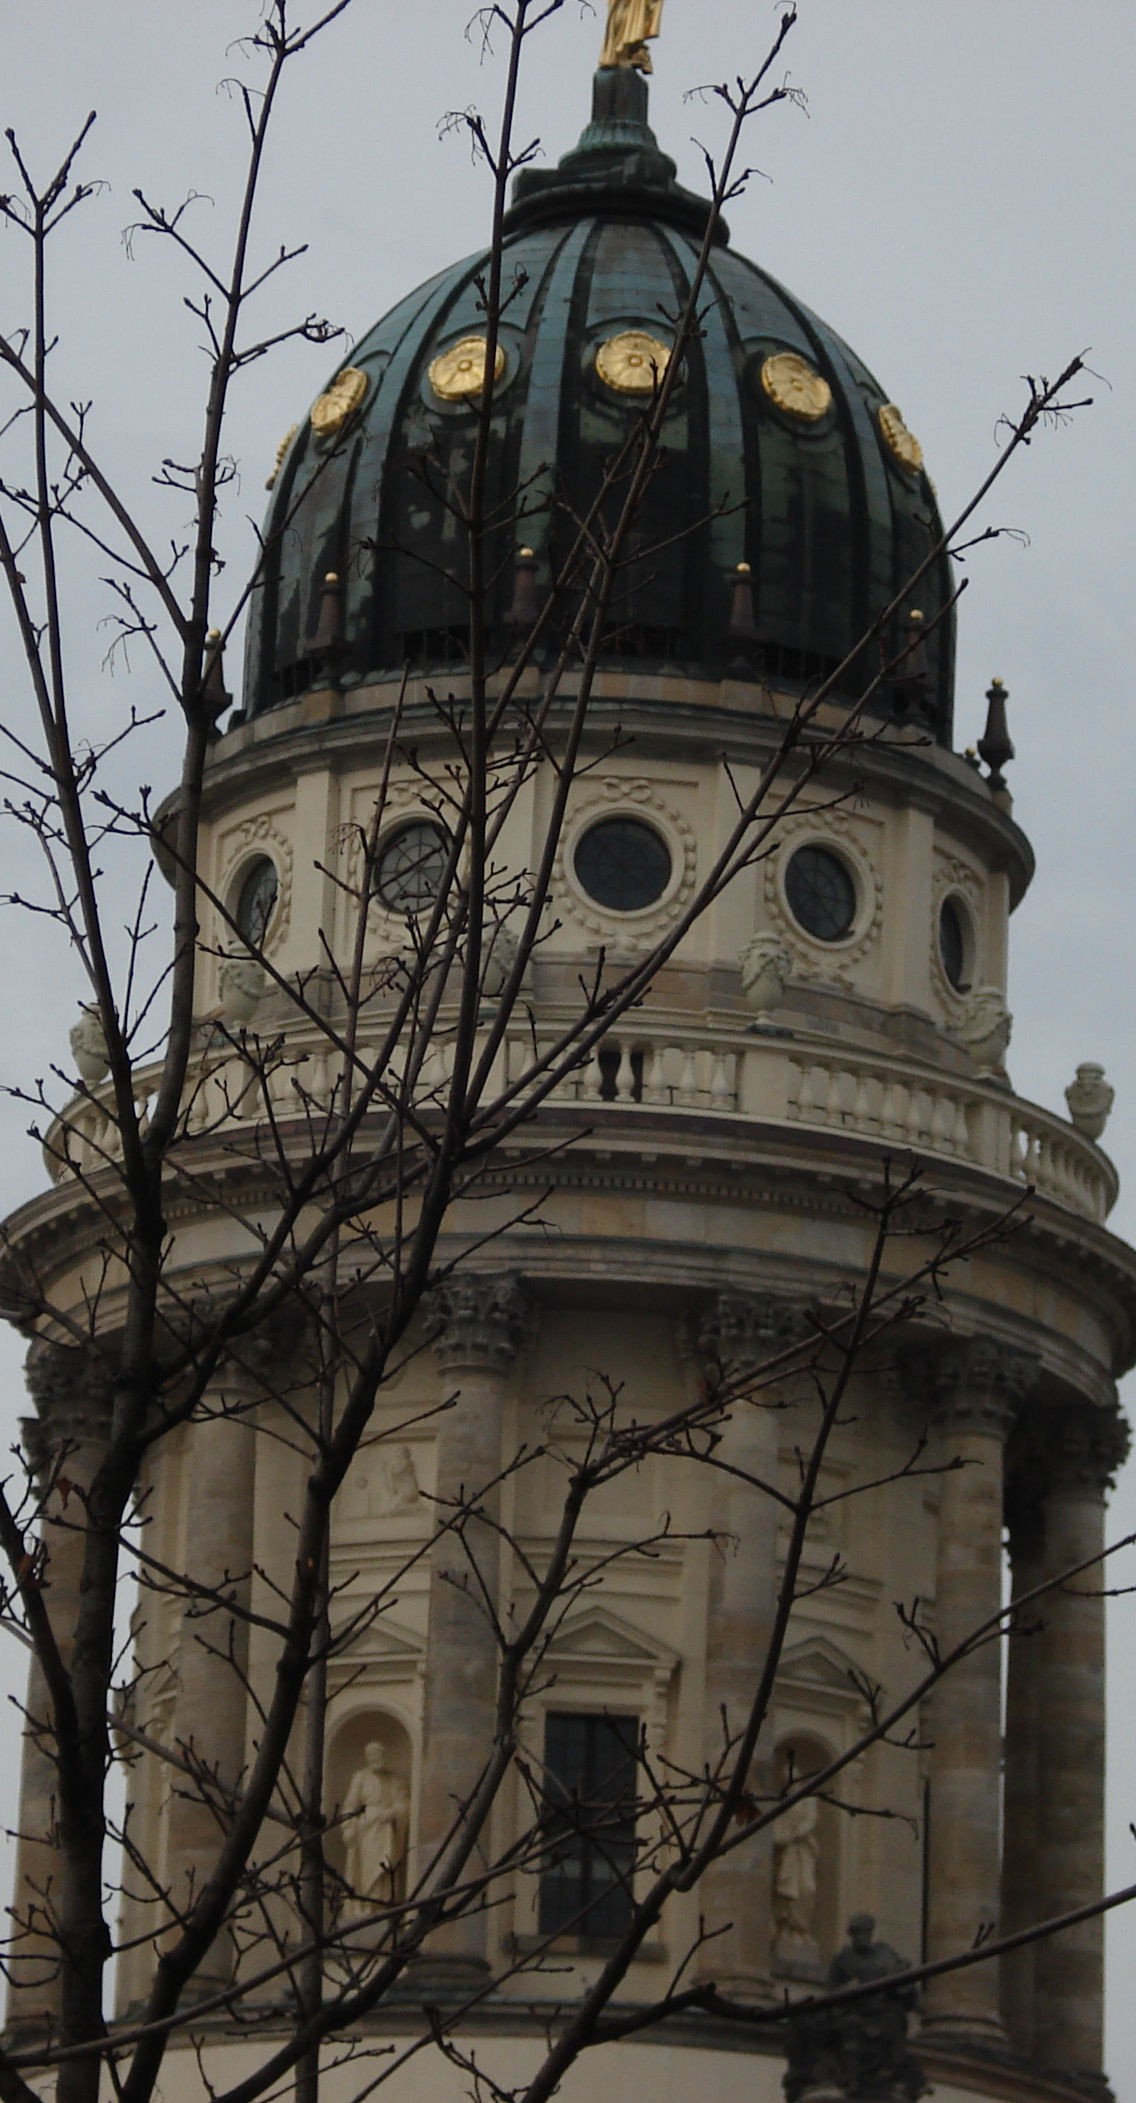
<point x="958" y="203"/>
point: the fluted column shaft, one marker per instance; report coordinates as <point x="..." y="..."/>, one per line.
<point x="481" y="1322"/>
<point x="977" y="1390"/>
<point x="1021" y="1809"/>
<point x="65" y="1443"/>
<point x="211" y="1708"/>
<point x="737" y="1338"/>
<point x="1088" y="1446"/>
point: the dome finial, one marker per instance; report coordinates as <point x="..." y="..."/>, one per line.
<point x="631" y="25"/>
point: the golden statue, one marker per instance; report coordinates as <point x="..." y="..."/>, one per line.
<point x="630" y="24"/>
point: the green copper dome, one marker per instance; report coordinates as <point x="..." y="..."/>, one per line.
<point x="776" y="456"/>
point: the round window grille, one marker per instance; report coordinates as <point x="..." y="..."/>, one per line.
<point x="410" y="868"/>
<point x="623" y="864"/>
<point x="821" y="893"/>
<point x="256" y="900"/>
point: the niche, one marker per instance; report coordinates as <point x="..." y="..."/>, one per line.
<point x="806" y="1866"/>
<point x="369" y="1776"/>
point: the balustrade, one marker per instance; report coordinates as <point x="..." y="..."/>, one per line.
<point x="717" y="1071"/>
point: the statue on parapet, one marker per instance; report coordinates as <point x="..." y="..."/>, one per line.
<point x="858" y="2051"/>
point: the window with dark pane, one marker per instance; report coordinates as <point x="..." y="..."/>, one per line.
<point x="952" y="944"/>
<point x="409" y="871"/>
<point x="256" y="901"/>
<point x="623" y="864"/>
<point x="821" y="893"/>
<point x="589" y="1789"/>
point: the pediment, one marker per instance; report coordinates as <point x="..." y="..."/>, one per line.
<point x="817" y="1662"/>
<point x="600" y="1637"/>
<point x="382" y="1639"/>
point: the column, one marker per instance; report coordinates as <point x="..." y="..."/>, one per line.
<point x="738" y="1337"/>
<point x="1021" y="1809"/>
<point x="977" y="1389"/>
<point x="481" y="1324"/>
<point x="211" y="1706"/>
<point x="64" y="1442"/>
<point x="1086" y="1447"/>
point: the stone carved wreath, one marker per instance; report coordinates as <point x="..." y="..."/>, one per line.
<point x="626" y="931"/>
<point x="828" y="963"/>
<point x="252" y="836"/>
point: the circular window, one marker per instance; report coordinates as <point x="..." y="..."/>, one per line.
<point x="821" y="893"/>
<point x="410" y="868"/>
<point x="256" y="901"/>
<point x="953" y="944"/>
<point x="623" y="864"/>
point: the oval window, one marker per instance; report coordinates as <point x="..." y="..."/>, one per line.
<point x="256" y="900"/>
<point x="624" y="864"/>
<point x="821" y="893"/>
<point x="410" y="867"/>
<point x="953" y="944"/>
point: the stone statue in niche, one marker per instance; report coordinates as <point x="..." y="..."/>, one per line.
<point x="374" y="1819"/>
<point x="860" y="2051"/>
<point x="392" y="1483"/>
<point x="795" y="1853"/>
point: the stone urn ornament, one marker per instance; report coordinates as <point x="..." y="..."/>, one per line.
<point x="766" y="969"/>
<point x="241" y="983"/>
<point x="1090" y="1098"/>
<point x="984" y="1027"/>
<point x="89" y="1045"/>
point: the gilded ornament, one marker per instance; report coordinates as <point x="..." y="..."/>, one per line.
<point x="900" y="442"/>
<point x="630" y="25"/>
<point x="336" y="408"/>
<point x="633" y="362"/>
<point x="795" y="386"/>
<point x="281" y="449"/>
<point x="458" y="374"/>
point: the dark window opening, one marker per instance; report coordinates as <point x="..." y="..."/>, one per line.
<point x="821" y="893"/>
<point x="590" y="1765"/>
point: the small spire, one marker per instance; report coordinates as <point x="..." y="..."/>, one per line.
<point x="522" y="616"/>
<point x="742" y="632"/>
<point x="325" y="648"/>
<point x="995" y="745"/>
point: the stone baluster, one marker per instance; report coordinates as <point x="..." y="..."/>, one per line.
<point x="65" y="1443"/>
<point x="739" y="1336"/>
<point x="1086" y="1447"/>
<point x="977" y="1389"/>
<point x="481" y="1323"/>
<point x="1020" y="1805"/>
<point x="210" y="1717"/>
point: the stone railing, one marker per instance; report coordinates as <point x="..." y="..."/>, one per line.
<point x="720" y="1072"/>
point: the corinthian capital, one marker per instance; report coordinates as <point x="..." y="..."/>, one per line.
<point x="975" y="1383"/>
<point x="72" y="1387"/>
<point x="740" y="1332"/>
<point x="1086" y="1447"/>
<point x="479" y="1321"/>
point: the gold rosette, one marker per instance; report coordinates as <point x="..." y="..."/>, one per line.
<point x="901" y="443"/>
<point x="335" y="408"/>
<point x="458" y="374"/>
<point x="633" y="362"/>
<point x="795" y="387"/>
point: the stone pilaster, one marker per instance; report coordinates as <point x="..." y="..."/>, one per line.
<point x="977" y="1388"/>
<point x="1021" y="1808"/>
<point x="65" y="1442"/>
<point x="481" y="1322"/>
<point x="211" y="1707"/>
<point x="738" y="1337"/>
<point x="1085" y="1448"/>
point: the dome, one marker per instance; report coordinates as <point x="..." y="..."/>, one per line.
<point x="786" y="511"/>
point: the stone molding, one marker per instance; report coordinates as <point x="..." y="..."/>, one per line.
<point x="479" y="1321"/>
<point x="975" y="1383"/>
<point x="72" y="1388"/>
<point x="740" y="1332"/>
